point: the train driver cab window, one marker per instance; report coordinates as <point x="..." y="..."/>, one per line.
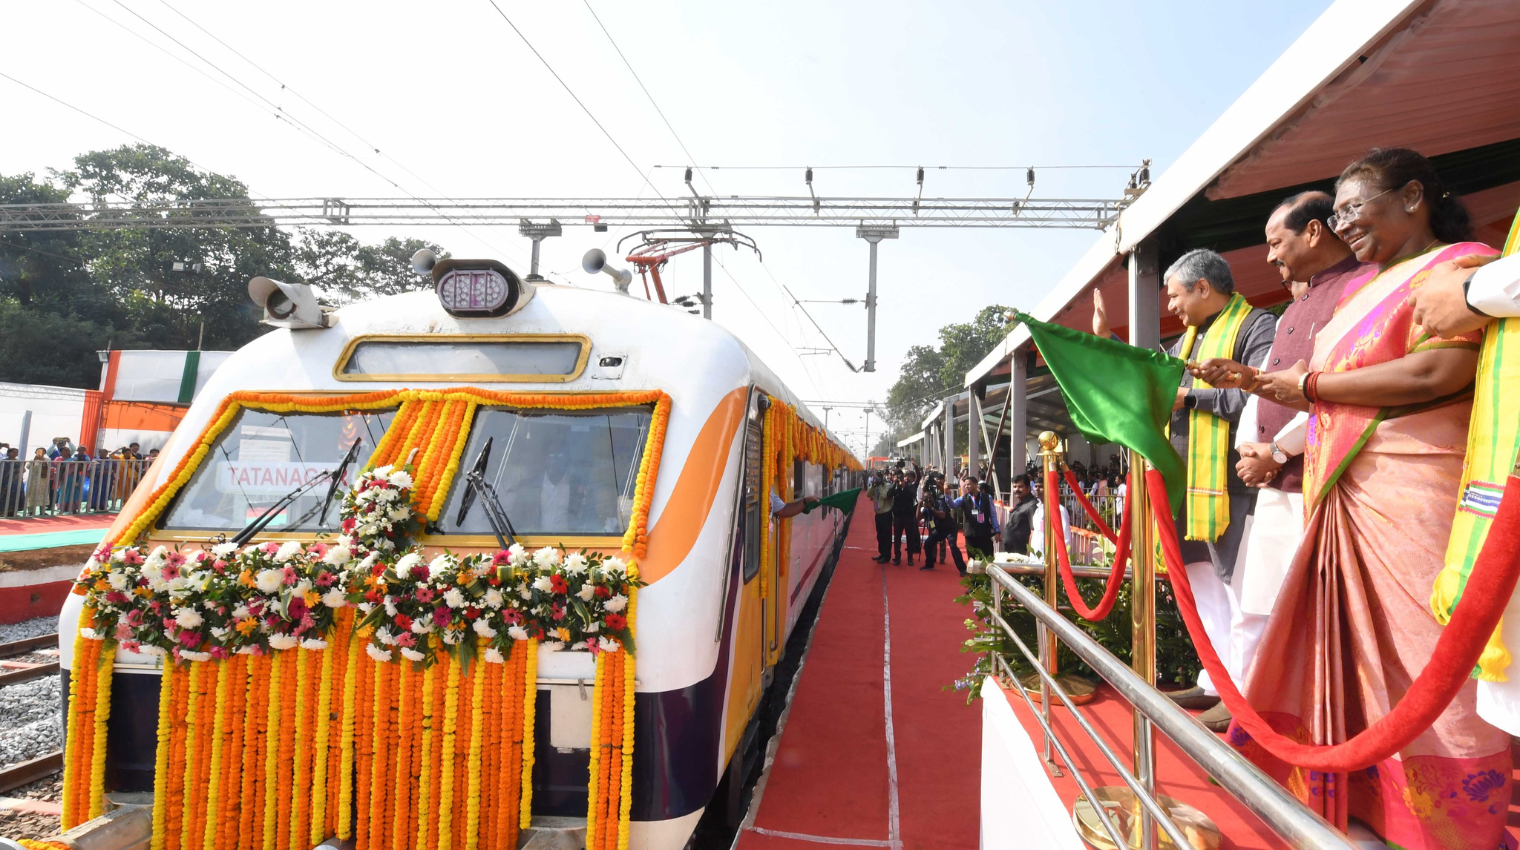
<point x="556" y="473"/>
<point x="262" y="456"/>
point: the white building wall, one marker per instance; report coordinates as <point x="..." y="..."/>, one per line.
<point x="56" y="412"/>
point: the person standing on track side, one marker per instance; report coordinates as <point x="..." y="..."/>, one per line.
<point x="879" y="490"/>
<point x="905" y="517"/>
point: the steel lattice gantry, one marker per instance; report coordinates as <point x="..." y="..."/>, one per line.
<point x="696" y="213"/>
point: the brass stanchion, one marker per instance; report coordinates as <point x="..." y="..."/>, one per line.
<point x="1118" y="800"/>
<point x="1050" y="457"/>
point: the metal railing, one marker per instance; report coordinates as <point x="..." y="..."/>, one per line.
<point x="32" y="488"/>
<point x="1280" y="810"/>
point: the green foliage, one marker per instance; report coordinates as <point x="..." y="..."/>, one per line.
<point x="929" y="374"/>
<point x="1176" y="660"/>
<point x="79" y="291"/>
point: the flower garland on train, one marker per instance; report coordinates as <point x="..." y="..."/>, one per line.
<point x="263" y="640"/>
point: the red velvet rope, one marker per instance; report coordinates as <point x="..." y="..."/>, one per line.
<point x="1092" y="513"/>
<point x="1456" y="652"/>
<point x="1121" y="552"/>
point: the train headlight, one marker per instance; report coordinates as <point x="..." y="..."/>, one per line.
<point x="479" y="288"/>
<point x="288" y="305"/>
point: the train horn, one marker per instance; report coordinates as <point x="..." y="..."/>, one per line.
<point x="596" y="261"/>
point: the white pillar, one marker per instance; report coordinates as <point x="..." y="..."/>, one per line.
<point x="1018" y="425"/>
<point x="1144" y="296"/>
<point x="949" y="426"/>
<point x="973" y="431"/>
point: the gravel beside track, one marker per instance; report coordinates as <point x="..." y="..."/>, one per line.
<point x="27" y="825"/>
<point x="30" y="724"/>
<point x="28" y="628"/>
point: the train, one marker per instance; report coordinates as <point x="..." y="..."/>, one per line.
<point x="719" y="606"/>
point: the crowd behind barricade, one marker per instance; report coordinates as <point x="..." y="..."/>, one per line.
<point x="69" y="479"/>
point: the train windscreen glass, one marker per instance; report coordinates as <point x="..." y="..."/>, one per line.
<point x="379" y="359"/>
<point x="570" y="474"/>
<point x="262" y="456"/>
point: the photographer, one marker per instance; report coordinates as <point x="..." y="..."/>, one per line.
<point x="879" y="490"/>
<point x="938" y="514"/>
<point x="905" y="516"/>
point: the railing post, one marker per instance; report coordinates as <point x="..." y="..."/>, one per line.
<point x="1143" y="631"/>
<point x="1050" y="457"/>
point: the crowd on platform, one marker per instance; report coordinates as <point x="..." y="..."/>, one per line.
<point x="67" y="479"/>
<point x="1343" y="461"/>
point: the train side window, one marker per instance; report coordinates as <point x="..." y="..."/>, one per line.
<point x="755" y="510"/>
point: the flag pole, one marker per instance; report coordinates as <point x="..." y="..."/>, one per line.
<point x="1050" y="456"/>
<point x="1143" y="631"/>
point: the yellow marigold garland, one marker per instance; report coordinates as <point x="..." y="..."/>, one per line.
<point x="598" y="691"/>
<point x="161" y="754"/>
<point x="208" y="837"/>
<point x="529" y="698"/>
<point x="346" y="767"/>
<point x="272" y="753"/>
<point x="625" y="804"/>
<point x="472" y="764"/>
<point x="441" y="421"/>
<point x="446" y="780"/>
<point x="424" y="785"/>
<point x="72" y="744"/>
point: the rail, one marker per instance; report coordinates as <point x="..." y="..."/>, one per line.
<point x="1283" y="813"/>
<point x="33" y="488"/>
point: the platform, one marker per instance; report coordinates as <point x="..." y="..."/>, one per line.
<point x="855" y="767"/>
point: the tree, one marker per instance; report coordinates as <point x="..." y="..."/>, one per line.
<point x="346" y="270"/>
<point x="929" y="374"/>
<point x="66" y="294"/>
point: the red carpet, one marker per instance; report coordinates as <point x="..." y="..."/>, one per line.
<point x="831" y="777"/>
<point x="68" y="522"/>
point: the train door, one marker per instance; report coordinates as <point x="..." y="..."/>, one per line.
<point x="746" y="679"/>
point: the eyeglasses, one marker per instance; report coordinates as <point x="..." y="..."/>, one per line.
<point x="1350" y="212"/>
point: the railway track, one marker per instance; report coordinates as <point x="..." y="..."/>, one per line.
<point x="20" y="661"/>
<point x="28" y="658"/>
<point x="28" y="772"/>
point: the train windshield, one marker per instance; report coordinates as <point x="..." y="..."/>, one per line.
<point x="556" y="473"/>
<point x="262" y="456"/>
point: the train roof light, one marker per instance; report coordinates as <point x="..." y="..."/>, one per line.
<point x="478" y="287"/>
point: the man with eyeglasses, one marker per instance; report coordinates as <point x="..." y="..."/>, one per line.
<point x="1315" y="266"/>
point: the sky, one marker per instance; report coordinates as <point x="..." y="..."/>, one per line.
<point x="459" y="105"/>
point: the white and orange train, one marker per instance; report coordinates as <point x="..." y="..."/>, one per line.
<point x="713" y="620"/>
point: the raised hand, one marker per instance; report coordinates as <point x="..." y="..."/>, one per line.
<point x="1100" y="315"/>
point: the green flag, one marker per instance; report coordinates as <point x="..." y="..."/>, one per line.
<point x="843" y="500"/>
<point x="1116" y="393"/>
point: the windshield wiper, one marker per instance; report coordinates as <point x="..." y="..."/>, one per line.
<point x="265" y="518"/>
<point x="477" y="485"/>
<point x="337" y="478"/>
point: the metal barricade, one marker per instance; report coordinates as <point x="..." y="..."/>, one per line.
<point x="35" y="488"/>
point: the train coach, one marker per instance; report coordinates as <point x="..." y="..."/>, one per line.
<point x="539" y="416"/>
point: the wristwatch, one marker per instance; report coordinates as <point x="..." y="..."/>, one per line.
<point x="1190" y="402"/>
<point x="1278" y="454"/>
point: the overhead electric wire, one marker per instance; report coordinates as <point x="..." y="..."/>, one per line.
<point x="98" y="119"/>
<point x="352" y="132"/>
<point x="279" y="112"/>
<point x="579" y="102"/>
<point x="896" y="167"/>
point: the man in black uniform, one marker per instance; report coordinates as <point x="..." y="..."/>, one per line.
<point x="1020" y="517"/>
<point x="905" y="516"/>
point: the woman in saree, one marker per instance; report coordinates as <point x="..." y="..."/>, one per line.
<point x="1389" y="408"/>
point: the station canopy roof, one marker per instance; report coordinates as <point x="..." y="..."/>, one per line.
<point x="1439" y="76"/>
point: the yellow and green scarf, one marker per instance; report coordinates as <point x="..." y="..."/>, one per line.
<point x="1208" y="460"/>
<point x="1492" y="442"/>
